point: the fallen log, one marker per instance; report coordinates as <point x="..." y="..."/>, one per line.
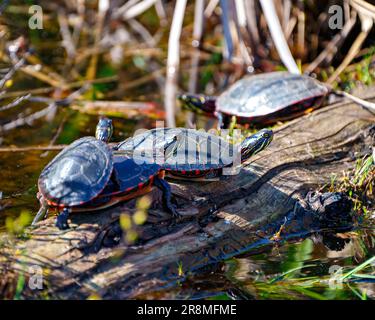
<point x="220" y="219"/>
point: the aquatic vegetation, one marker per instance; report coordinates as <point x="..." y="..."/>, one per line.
<point x="358" y="184"/>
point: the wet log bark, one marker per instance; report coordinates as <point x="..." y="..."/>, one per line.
<point x="221" y="219"/>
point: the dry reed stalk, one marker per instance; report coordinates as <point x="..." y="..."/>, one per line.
<point x="34" y="60"/>
<point x="290" y="27"/>
<point x="161" y="12"/>
<point x="195" y="56"/>
<point x="366" y="14"/>
<point x="278" y="36"/>
<point x="67" y="42"/>
<point x="128" y="12"/>
<point x="244" y="39"/>
<point x="173" y="62"/>
<point x="287" y="9"/>
<point x="251" y="22"/>
<point x="301" y="32"/>
<point x="103" y="7"/>
<point x="331" y="48"/>
<point x="211" y="8"/>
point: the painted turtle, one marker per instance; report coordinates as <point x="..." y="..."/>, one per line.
<point x="264" y="98"/>
<point x="86" y="176"/>
<point x="195" y="154"/>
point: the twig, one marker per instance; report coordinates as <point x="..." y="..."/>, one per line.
<point x="151" y="42"/>
<point x="67" y="42"/>
<point x="140" y="50"/>
<point x="55" y="137"/>
<point x="32" y="71"/>
<point x="34" y="60"/>
<point x="153" y="75"/>
<point x="52" y="104"/>
<point x="366" y="23"/>
<point x="362" y="102"/>
<point x="33" y="148"/>
<point x="15" y="103"/>
<point x="137" y="9"/>
<point x="332" y="46"/>
<point x="11" y="72"/>
<point x="140" y="106"/>
<point x="143" y="32"/>
<point x="27" y="120"/>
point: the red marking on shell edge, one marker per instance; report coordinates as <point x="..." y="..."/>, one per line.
<point x="59" y="205"/>
<point x="140" y="185"/>
<point x="197" y="172"/>
<point x="183" y="171"/>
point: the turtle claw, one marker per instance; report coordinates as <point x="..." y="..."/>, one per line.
<point x="173" y="210"/>
<point x="167" y="196"/>
<point x="62" y="220"/>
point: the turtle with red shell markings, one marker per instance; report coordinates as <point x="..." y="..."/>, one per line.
<point x="191" y="154"/>
<point x="86" y="176"/>
<point x="264" y="99"/>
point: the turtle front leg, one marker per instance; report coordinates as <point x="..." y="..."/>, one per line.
<point x="223" y="121"/>
<point x="62" y="219"/>
<point x="43" y="210"/>
<point x="220" y="120"/>
<point x="167" y="195"/>
<point x="114" y="178"/>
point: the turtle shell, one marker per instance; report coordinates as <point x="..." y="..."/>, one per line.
<point x="77" y="174"/>
<point x="154" y="139"/>
<point x="197" y="151"/>
<point x="192" y="151"/>
<point x="266" y="93"/>
<point x="130" y="175"/>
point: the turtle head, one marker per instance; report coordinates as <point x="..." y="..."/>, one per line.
<point x="198" y="103"/>
<point x="104" y="129"/>
<point x="255" y="143"/>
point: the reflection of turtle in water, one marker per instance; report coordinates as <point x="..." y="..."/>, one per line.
<point x="264" y="98"/>
<point x="193" y="154"/>
<point x="86" y="176"/>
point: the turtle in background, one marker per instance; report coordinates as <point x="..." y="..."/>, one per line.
<point x="265" y="99"/>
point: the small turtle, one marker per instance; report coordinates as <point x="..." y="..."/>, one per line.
<point x="86" y="176"/>
<point x="264" y="98"/>
<point x="195" y="155"/>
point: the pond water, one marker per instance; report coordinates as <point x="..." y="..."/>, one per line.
<point x="299" y="270"/>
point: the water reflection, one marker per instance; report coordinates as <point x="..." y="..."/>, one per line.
<point x="301" y="270"/>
